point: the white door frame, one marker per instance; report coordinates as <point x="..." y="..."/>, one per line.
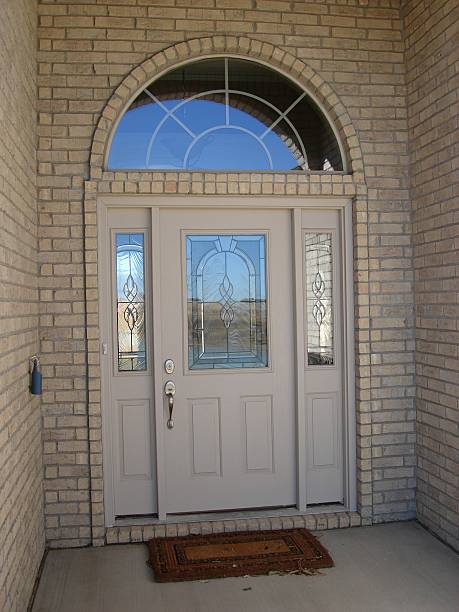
<point x="295" y="204"/>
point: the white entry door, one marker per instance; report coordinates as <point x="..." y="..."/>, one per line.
<point x="250" y="312"/>
<point x="226" y="323"/>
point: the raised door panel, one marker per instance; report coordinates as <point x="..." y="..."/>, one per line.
<point x="324" y="475"/>
<point x="258" y="433"/>
<point x="134" y="451"/>
<point x="205" y="434"/>
<point x="322" y="431"/>
<point x="135" y="439"/>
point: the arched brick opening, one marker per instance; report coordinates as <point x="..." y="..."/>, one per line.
<point x="101" y="181"/>
<point x="172" y="57"/>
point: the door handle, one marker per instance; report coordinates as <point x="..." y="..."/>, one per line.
<point x="169" y="390"/>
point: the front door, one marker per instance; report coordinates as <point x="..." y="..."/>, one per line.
<point x="226" y="320"/>
<point x="248" y="306"/>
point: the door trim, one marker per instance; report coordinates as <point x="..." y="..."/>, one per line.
<point x="349" y="408"/>
<point x="298" y="305"/>
<point x="157" y="365"/>
<point x="295" y="204"/>
<point x="105" y="326"/>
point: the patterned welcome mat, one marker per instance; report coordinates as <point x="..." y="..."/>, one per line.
<point x="199" y="557"/>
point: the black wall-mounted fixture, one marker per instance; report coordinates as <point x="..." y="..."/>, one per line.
<point x="35" y="377"/>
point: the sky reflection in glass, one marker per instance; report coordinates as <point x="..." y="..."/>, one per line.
<point x="213" y="144"/>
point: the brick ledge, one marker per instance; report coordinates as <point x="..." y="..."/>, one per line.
<point x="313" y="522"/>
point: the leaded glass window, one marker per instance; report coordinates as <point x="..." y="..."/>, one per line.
<point x="319" y="298"/>
<point x="130" y="288"/>
<point x="224" y="114"/>
<point x="226" y="301"/>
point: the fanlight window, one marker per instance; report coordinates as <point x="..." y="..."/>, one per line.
<point x="224" y="114"/>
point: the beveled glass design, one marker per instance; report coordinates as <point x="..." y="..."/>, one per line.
<point x="224" y="114"/>
<point x="130" y="287"/>
<point x="319" y="298"/>
<point x="226" y="301"/>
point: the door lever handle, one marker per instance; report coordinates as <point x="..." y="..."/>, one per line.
<point x="169" y="390"/>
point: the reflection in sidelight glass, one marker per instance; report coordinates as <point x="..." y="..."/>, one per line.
<point x="226" y="301"/>
<point x="130" y="285"/>
<point x="319" y="298"/>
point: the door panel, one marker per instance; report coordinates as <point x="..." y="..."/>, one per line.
<point x="257" y="421"/>
<point x="323" y="444"/>
<point x="233" y="441"/>
<point x="323" y="430"/>
<point x="126" y="321"/>
<point x="135" y="439"/>
<point x="322" y="293"/>
<point x="206" y="434"/>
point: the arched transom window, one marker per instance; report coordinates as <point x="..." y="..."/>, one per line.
<point x="224" y="114"/>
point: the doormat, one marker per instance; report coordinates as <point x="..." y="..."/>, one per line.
<point x="200" y="557"/>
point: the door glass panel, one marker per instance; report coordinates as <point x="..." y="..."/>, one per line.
<point x="130" y="286"/>
<point x="226" y="301"/>
<point x="319" y="299"/>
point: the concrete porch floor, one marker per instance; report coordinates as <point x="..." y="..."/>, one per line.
<point x="397" y="567"/>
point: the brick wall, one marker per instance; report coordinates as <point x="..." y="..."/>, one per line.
<point x="432" y="56"/>
<point x="21" y="497"/>
<point x="356" y="50"/>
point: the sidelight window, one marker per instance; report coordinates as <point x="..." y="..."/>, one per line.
<point x="319" y="298"/>
<point x="130" y="294"/>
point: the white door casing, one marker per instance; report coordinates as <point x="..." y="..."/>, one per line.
<point x="143" y="472"/>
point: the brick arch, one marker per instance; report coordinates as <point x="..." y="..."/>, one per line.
<point x="198" y="48"/>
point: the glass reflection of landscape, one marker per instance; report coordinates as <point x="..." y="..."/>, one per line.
<point x="226" y="301"/>
<point x="130" y="302"/>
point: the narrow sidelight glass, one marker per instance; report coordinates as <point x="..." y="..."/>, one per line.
<point x="130" y="285"/>
<point x="226" y="301"/>
<point x="319" y="298"/>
